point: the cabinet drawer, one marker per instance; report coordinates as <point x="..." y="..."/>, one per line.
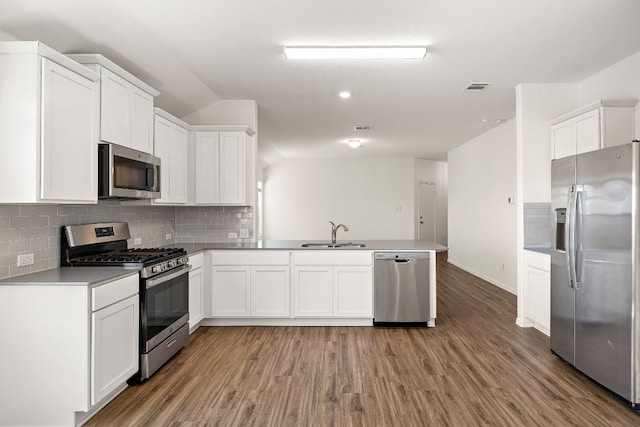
<point x="332" y="257"/>
<point x="112" y="292"/>
<point x="537" y="260"/>
<point x="196" y="260"/>
<point x="250" y="257"/>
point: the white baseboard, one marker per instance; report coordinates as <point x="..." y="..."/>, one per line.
<point x="286" y="322"/>
<point x="483" y="277"/>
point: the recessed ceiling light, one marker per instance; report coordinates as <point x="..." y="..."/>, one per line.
<point x="354" y="143"/>
<point x="355" y="52"/>
<point x="344" y="94"/>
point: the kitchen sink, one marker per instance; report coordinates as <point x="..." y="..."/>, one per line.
<point x="333" y="245"/>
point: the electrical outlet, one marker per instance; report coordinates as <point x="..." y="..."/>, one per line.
<point x="232" y="235"/>
<point x="25" y="259"/>
<point x="503" y="266"/>
<point x="244" y="233"/>
<point x="167" y="236"/>
<point x="137" y="241"/>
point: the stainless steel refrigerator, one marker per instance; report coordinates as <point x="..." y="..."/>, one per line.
<point x="595" y="302"/>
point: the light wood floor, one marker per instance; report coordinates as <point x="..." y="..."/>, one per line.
<point x="475" y="368"/>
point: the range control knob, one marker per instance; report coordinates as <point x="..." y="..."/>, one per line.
<point x="155" y="269"/>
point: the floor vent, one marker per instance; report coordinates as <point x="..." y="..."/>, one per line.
<point x="476" y="87"/>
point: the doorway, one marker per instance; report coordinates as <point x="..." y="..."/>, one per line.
<point x="427" y="212"/>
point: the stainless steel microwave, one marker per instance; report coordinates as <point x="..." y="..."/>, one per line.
<point x="124" y="173"/>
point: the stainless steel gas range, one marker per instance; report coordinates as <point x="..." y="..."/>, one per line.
<point x="164" y="286"/>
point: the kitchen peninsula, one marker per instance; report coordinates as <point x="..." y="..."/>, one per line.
<point x="283" y="283"/>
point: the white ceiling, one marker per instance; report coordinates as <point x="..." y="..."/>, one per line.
<point x="196" y="52"/>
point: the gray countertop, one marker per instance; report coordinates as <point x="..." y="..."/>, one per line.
<point x="540" y="249"/>
<point x="71" y="276"/>
<point x="370" y="245"/>
<point x="91" y="276"/>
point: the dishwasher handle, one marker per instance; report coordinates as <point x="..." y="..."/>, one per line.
<point x="403" y="261"/>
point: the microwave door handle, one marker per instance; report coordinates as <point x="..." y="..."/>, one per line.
<point x="150" y="178"/>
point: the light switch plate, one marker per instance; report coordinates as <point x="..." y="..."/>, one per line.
<point x="137" y="241"/>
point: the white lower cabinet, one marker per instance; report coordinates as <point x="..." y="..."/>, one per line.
<point x="270" y="290"/>
<point x="313" y="290"/>
<point x="342" y="289"/>
<point x="196" y="291"/>
<point x="353" y="291"/>
<point x="230" y="286"/>
<point x="114" y="346"/>
<point x="282" y="286"/>
<point x="67" y="347"/>
<point x="250" y="284"/>
<point x="538" y="290"/>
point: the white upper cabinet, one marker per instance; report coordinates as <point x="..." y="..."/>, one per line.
<point x="49" y="115"/>
<point x="598" y="125"/>
<point x="171" y="136"/>
<point x="224" y="166"/>
<point x="126" y="116"/>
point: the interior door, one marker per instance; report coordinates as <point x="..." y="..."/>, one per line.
<point x="427" y="211"/>
<point x="604" y="267"/>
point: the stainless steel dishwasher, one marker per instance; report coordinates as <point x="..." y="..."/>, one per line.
<point x="401" y="282"/>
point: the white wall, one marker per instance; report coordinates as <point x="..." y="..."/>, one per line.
<point x="435" y="172"/>
<point x="227" y="112"/>
<point x="482" y="223"/>
<point x="619" y="81"/>
<point x="374" y="197"/>
<point x="536" y="105"/>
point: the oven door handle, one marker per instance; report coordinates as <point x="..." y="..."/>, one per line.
<point x="167" y="276"/>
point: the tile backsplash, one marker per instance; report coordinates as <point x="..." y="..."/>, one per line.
<point x="202" y="224"/>
<point x="36" y="228"/>
<point x="537" y="225"/>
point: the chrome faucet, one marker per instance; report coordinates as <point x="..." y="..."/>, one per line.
<point x="334" y="230"/>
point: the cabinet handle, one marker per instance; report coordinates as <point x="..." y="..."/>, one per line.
<point x="172" y="342"/>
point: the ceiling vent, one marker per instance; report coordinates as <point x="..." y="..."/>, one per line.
<point x="362" y="127"/>
<point x="476" y="87"/>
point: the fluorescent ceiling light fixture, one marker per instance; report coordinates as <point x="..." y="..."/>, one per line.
<point x="354" y="143"/>
<point x="344" y="94"/>
<point x="355" y="52"/>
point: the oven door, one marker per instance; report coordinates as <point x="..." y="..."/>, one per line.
<point x="164" y="306"/>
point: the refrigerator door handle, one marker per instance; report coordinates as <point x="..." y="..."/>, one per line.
<point x="570" y="236"/>
<point x="577" y="235"/>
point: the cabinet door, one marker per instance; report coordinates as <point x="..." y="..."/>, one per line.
<point x="178" y="172"/>
<point x="196" y="297"/>
<point x="313" y="289"/>
<point x="587" y="131"/>
<point x="232" y="167"/>
<point x="115" y="124"/>
<point x="270" y="290"/>
<point x="538" y="284"/>
<point x="230" y="291"/>
<point x="69" y="135"/>
<point x="114" y="346"/>
<point x="353" y="292"/>
<point x="162" y="149"/>
<point x="563" y="139"/>
<point x="141" y="120"/>
<point x="207" y="160"/>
